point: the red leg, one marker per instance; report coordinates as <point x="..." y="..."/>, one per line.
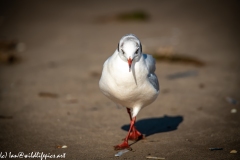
<point x="125" y="145"/>
<point x="129" y="112"/>
<point x="134" y="134"/>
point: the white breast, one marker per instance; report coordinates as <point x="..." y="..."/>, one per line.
<point x="118" y="84"/>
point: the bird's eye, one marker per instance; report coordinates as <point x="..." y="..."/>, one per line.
<point x="136" y="51"/>
<point x="123" y="51"/>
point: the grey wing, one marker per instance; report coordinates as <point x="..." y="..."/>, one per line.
<point x="150" y="63"/>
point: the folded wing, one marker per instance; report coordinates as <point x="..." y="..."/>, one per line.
<point x="150" y="63"/>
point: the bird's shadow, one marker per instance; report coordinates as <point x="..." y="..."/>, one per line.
<point x="152" y="126"/>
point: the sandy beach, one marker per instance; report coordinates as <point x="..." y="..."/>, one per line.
<point x="50" y="101"/>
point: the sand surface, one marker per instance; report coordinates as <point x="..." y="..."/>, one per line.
<point x="51" y="97"/>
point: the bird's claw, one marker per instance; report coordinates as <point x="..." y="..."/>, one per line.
<point x="122" y="146"/>
<point x="134" y="138"/>
<point x="135" y="135"/>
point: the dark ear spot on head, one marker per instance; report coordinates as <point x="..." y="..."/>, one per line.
<point x="140" y="47"/>
<point x="118" y="47"/>
<point x="122" y="44"/>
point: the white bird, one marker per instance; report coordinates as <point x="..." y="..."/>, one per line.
<point x="129" y="80"/>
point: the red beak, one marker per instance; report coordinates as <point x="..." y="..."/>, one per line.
<point x="129" y="63"/>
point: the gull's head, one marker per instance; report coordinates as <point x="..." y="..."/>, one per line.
<point x="130" y="49"/>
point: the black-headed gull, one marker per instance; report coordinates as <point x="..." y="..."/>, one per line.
<point x="129" y="80"/>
